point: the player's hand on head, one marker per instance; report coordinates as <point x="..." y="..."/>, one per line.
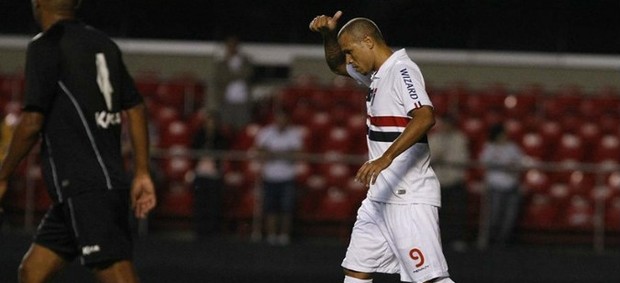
<point x="143" y="198"/>
<point x="325" y="23"/>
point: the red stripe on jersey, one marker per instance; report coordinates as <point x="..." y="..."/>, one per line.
<point x="389" y="121"/>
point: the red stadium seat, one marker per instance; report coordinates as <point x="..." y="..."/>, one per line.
<point x="612" y="215"/>
<point x="551" y="131"/>
<point x="579" y="213"/>
<point x="336" y="139"/>
<point x="533" y="145"/>
<point x="243" y="207"/>
<point x="540" y="213"/>
<point x="176" y="168"/>
<point x="175" y="133"/>
<point x="147" y="84"/>
<point x="590" y="134"/>
<point x="245" y="139"/>
<point x="520" y="105"/>
<point x="476" y="131"/>
<point x="336" y="174"/>
<point x="608" y="149"/>
<point x="536" y="181"/>
<point x="569" y="148"/>
<point x="335" y="206"/>
<point x="514" y="129"/>
<point x="581" y="183"/>
<point x="177" y="200"/>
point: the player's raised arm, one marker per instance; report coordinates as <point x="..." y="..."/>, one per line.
<point x="327" y="25"/>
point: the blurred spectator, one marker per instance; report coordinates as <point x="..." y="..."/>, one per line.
<point x="208" y="183"/>
<point x="502" y="159"/>
<point x="277" y="144"/>
<point x="232" y="82"/>
<point x="450" y="153"/>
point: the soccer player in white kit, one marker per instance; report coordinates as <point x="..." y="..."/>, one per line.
<point x="397" y="226"/>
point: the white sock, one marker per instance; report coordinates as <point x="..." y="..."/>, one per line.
<point x="349" y="279"/>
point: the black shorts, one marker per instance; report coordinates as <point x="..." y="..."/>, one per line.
<point x="93" y="226"/>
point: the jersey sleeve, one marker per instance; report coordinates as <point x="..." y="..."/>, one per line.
<point x="360" y="78"/>
<point x="410" y="88"/>
<point x="42" y="75"/>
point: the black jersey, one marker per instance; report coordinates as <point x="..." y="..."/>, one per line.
<point x="76" y="77"/>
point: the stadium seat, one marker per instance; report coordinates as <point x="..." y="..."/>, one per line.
<point x="520" y="105"/>
<point x="514" y="129"/>
<point x="476" y="131"/>
<point x="536" y="181"/>
<point x="336" y="174"/>
<point x="175" y="133"/>
<point x="147" y="84"/>
<point x="551" y="131"/>
<point x="579" y="213"/>
<point x="608" y="148"/>
<point x="335" y="206"/>
<point x="570" y="147"/>
<point x="176" y="200"/>
<point x="533" y="145"/>
<point x="590" y="134"/>
<point x="612" y="215"/>
<point x="336" y="139"/>
<point x="581" y="183"/>
<point x="540" y="212"/>
<point x="245" y="139"/>
<point x="178" y="164"/>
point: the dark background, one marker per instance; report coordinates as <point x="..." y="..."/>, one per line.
<point x="561" y="26"/>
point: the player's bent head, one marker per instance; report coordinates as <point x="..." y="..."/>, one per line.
<point x="359" y="28"/>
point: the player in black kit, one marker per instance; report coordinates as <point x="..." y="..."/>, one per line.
<point x="77" y="88"/>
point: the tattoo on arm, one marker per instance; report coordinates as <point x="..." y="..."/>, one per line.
<point x="334" y="56"/>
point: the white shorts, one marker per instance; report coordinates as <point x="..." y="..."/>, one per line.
<point x="397" y="238"/>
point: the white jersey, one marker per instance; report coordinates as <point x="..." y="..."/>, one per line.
<point x="396" y="89"/>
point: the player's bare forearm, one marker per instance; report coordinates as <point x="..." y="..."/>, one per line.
<point x="327" y="25"/>
<point x="143" y="198"/>
<point x="24" y="138"/>
<point x="422" y="120"/>
<point x="335" y="58"/>
<point x="138" y="132"/>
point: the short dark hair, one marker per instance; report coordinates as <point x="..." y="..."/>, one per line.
<point x="361" y="27"/>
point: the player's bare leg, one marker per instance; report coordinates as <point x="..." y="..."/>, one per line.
<point x="39" y="264"/>
<point x="118" y="272"/>
<point x="352" y="276"/>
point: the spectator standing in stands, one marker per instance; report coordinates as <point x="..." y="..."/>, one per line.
<point x="77" y="86"/>
<point x="233" y="74"/>
<point x="450" y="156"/>
<point x="208" y="183"/>
<point x="277" y="144"/>
<point x="502" y="159"/>
<point x="397" y="229"/>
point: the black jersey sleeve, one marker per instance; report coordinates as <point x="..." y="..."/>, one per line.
<point x="42" y="74"/>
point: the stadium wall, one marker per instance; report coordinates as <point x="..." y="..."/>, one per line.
<point x="440" y="67"/>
